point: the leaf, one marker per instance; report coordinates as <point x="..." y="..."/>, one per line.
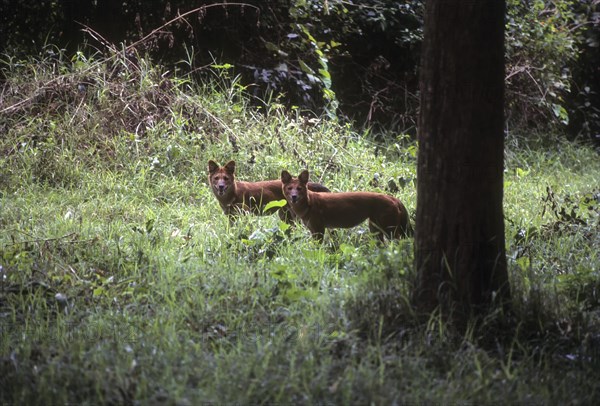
<point x="274" y="204"/>
<point x="305" y="68"/>
<point x="412" y="151"/>
<point x="347" y="249"/>
<point x="271" y="47"/>
<point x="561" y="113"/>
<point x="283" y="226"/>
<point x="308" y="34"/>
<point x="522" y="172"/>
<point x="325" y="74"/>
<point x="326" y="78"/>
<point x="224" y="66"/>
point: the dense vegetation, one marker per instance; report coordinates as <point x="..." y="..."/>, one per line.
<point x="358" y="59"/>
<point x="122" y="282"/>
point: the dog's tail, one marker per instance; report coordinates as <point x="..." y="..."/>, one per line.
<point x="408" y="230"/>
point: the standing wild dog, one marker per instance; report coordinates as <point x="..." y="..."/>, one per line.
<point x="387" y="215"/>
<point x="235" y="196"/>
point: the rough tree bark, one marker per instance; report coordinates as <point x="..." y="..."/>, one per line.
<point x="459" y="241"/>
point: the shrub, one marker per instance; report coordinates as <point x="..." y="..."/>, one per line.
<point x="549" y="44"/>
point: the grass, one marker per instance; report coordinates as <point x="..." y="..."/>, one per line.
<point x="122" y="281"/>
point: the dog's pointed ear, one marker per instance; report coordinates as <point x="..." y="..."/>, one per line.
<point x="212" y="166"/>
<point x="303" y="178"/>
<point x="230" y="167"/>
<point x="285" y="177"/>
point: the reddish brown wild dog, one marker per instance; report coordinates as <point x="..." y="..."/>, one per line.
<point x="236" y="196"/>
<point x="387" y="215"/>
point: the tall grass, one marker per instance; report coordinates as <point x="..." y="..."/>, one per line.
<point x="122" y="281"/>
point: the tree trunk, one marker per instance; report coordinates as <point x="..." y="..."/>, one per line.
<point x="459" y="241"/>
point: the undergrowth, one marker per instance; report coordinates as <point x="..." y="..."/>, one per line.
<point x="123" y="282"/>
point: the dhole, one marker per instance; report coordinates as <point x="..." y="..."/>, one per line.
<point x="235" y="196"/>
<point x="387" y="215"/>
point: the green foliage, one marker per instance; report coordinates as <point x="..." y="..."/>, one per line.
<point x="372" y="53"/>
<point x="585" y="94"/>
<point x="315" y="55"/>
<point x="121" y="281"/>
<point x="355" y="60"/>
<point x="544" y="41"/>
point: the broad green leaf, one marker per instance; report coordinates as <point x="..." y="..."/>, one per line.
<point x="273" y="204"/>
<point x="561" y="113"/>
<point x="283" y="226"/>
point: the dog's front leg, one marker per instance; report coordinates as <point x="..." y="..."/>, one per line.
<point x="317" y="231"/>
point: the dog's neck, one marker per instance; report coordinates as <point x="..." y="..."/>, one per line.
<point x="302" y="209"/>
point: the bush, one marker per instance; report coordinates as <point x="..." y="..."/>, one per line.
<point x="549" y="46"/>
<point x="352" y="59"/>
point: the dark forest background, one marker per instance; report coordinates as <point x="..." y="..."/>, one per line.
<point x="357" y="60"/>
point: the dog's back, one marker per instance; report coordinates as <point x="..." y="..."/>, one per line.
<point x="386" y="214"/>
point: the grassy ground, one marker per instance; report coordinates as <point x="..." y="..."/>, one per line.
<point x="122" y="281"/>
